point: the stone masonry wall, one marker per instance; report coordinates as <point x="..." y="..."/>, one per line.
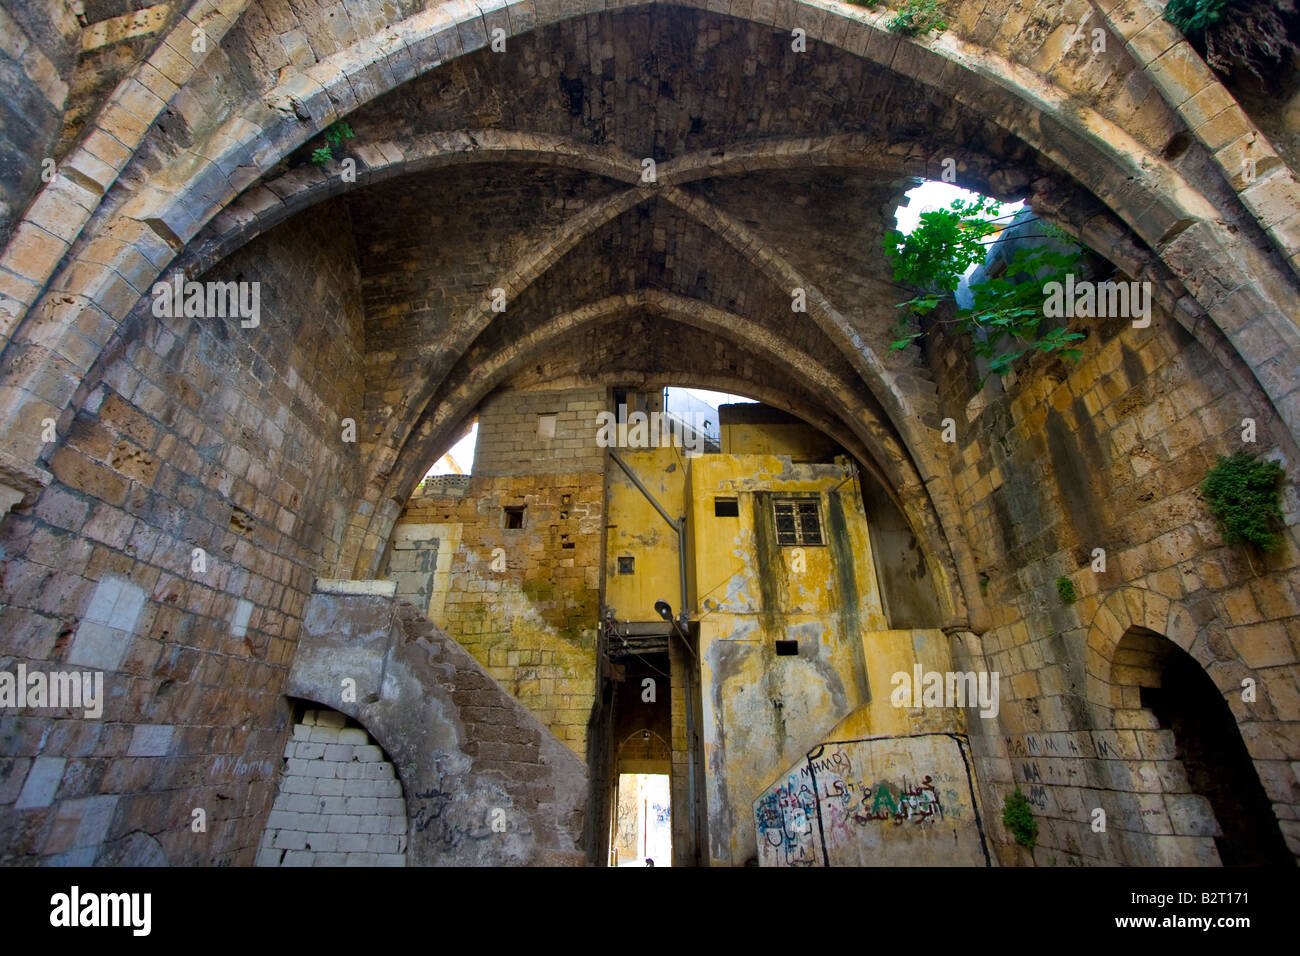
<point x="532" y="624"/>
<point x="192" y="433"/>
<point x="1109" y="453"/>
<point x="510" y="441"/>
<point x="339" y="802"/>
<point x="486" y="784"/>
<point x="39" y="44"/>
<point x="525" y="602"/>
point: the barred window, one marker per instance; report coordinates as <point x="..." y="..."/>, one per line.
<point x="798" y="522"/>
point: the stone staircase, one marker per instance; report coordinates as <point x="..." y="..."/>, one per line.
<point x="485" y="783"/>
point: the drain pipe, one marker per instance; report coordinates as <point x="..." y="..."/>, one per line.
<point x="679" y="526"/>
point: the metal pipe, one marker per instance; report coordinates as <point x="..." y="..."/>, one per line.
<point x="642" y="488"/>
<point x="690" y="765"/>
<point x="679" y="525"/>
<point x="682" y="616"/>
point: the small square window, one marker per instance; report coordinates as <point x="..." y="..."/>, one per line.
<point x="798" y="522"/>
<point x="726" y="508"/>
<point x="787" y="648"/>
<point x="626" y="565"/>
<point x="514" y="517"/>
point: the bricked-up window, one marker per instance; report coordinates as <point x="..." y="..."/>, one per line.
<point x="515" y="518"/>
<point x="798" y="522"/>
<point x="626" y="565"/>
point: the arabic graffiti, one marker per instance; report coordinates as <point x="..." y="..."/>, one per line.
<point x="784" y="817"/>
<point x="916" y="804"/>
<point x="860" y="802"/>
<point x="453" y="821"/>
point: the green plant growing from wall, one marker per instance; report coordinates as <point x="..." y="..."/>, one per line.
<point x="1006" y="313"/>
<point x="1018" y="818"/>
<point x="1252" y="33"/>
<point x="334" y="135"/>
<point x="1065" y="588"/>
<point x="1194" y="16"/>
<point x="1243" y="494"/>
<point x="917" y="18"/>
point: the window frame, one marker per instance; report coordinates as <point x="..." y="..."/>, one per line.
<point x="801" y="533"/>
<point x="508" y="510"/>
<point x="731" y="503"/>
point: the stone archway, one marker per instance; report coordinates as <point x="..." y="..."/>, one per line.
<point x="471" y="797"/>
<point x="140" y="237"/>
<point x="339" y="802"/>
<point x="181" y="437"/>
<point x="1152" y="679"/>
<point x="1129" y="608"/>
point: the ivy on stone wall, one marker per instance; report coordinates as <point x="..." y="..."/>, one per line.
<point x="1065" y="588"/>
<point x="915" y="18"/>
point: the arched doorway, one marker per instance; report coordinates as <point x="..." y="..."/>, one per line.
<point x="339" y="801"/>
<point x="1185" y="702"/>
<point x="642" y="802"/>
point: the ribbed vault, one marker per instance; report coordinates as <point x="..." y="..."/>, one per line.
<point x="775" y="170"/>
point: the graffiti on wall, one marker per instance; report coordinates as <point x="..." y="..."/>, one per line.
<point x="871" y="802"/>
<point x="785" y="817"/>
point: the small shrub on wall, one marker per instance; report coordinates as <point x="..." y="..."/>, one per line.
<point x="1065" y="588"/>
<point x="1019" y="820"/>
<point x="334" y="135"/>
<point x="917" y="18"/>
<point x="1243" y="494"/>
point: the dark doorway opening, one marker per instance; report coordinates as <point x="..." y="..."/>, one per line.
<point x="642" y="768"/>
<point x="1208" y="742"/>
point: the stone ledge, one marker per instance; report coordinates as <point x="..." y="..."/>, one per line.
<point x="19" y="479"/>
<point x="342" y="586"/>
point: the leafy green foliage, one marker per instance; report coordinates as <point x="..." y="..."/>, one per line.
<point x="1065" y="588"/>
<point x="334" y="135"/>
<point x="944" y="244"/>
<point x="1193" y="16"/>
<point x="1019" y="819"/>
<point x="1254" y="35"/>
<point x="1004" y="318"/>
<point x="1005" y="309"/>
<point x="917" y="18"/>
<point x="1243" y="495"/>
<point x="337" y="132"/>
